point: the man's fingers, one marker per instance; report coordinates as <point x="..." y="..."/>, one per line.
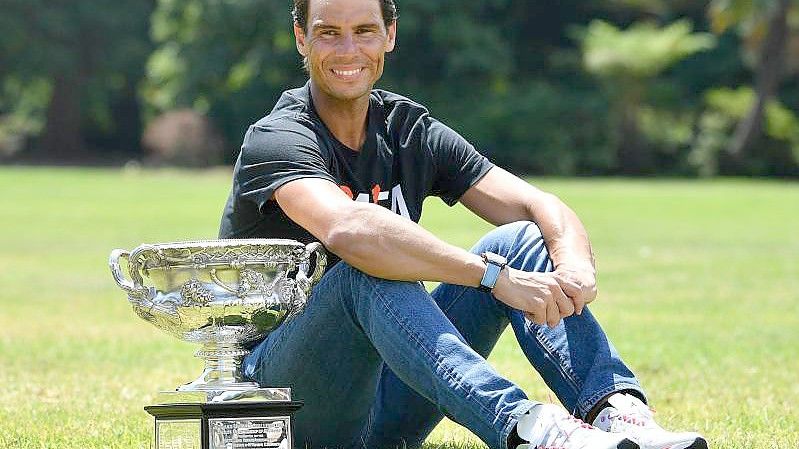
<point x="565" y="305"/>
<point x="579" y="304"/>
<point x="575" y="293"/>
<point x="569" y="286"/>
<point x="579" y="293"/>
<point x="589" y="294"/>
<point x="553" y="314"/>
<point x="562" y="300"/>
<point x="537" y="318"/>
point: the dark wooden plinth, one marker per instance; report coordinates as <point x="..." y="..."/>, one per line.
<point x="192" y="414"/>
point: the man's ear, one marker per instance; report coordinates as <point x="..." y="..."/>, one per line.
<point x="300" y="40"/>
<point x="391" y="31"/>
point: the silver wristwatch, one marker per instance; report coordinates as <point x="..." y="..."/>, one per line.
<point x="494" y="264"/>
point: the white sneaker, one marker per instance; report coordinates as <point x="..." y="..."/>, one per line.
<point x="628" y="415"/>
<point x="547" y="426"/>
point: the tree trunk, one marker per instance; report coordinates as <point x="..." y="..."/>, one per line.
<point x="768" y="73"/>
<point x="62" y="140"/>
<point x="634" y="156"/>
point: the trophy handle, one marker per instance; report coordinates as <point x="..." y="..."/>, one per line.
<point x="133" y="289"/>
<point x="221" y="283"/>
<point x="321" y="262"/>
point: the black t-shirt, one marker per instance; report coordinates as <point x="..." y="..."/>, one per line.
<point x="407" y="156"/>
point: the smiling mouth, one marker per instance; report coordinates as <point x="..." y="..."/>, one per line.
<point x="347" y="73"/>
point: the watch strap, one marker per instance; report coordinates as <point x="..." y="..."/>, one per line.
<point x="494" y="264"/>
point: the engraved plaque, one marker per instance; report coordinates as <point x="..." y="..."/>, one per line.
<point x="178" y="434"/>
<point x="249" y="433"/>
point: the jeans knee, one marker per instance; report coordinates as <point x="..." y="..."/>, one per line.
<point x="523" y="229"/>
<point x="521" y="242"/>
<point x="508" y="237"/>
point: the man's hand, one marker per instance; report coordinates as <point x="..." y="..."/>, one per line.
<point x="501" y="197"/>
<point x="538" y="295"/>
<point x="578" y="282"/>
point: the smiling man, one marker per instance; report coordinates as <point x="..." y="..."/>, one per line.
<point x="377" y="359"/>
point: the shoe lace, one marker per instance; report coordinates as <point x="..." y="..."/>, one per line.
<point x="566" y="427"/>
<point x="639" y="416"/>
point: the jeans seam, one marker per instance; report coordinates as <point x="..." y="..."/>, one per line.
<point x="513" y="419"/>
<point x="458" y="383"/>
<point x="456" y="298"/>
<point x="568" y="374"/>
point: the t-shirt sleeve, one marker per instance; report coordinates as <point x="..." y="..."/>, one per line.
<point x="273" y="155"/>
<point x="458" y="164"/>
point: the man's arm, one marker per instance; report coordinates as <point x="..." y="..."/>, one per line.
<point x="500" y="198"/>
<point x="383" y="244"/>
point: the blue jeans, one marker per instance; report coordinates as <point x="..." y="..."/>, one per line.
<point x="379" y="363"/>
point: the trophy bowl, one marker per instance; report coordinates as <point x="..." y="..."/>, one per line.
<point x="223" y="295"/>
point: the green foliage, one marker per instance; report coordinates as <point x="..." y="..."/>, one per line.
<point x="627" y="62"/>
<point x="507" y="74"/>
<point x="97" y="46"/>
<point x="642" y="51"/>
<point x="22" y="107"/>
<point x="747" y="15"/>
<point x="750" y="20"/>
<point x="725" y="108"/>
<point x="541" y="127"/>
<point x="669" y="129"/>
<point x="781" y="122"/>
<point x="228" y="59"/>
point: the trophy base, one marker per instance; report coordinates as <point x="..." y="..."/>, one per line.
<point x="224" y="425"/>
<point x="224" y="394"/>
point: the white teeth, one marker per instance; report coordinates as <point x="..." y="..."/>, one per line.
<point x="347" y="72"/>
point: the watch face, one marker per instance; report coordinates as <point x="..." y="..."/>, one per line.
<point x="491" y="276"/>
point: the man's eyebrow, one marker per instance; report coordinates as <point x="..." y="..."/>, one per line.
<point x="363" y="26"/>
<point x="322" y="26"/>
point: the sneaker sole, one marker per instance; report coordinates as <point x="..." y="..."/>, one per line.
<point x="627" y="444"/>
<point x="698" y="443"/>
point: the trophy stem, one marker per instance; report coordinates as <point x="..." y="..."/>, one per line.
<point x="222" y="368"/>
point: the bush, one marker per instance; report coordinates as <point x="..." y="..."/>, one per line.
<point x="183" y="137"/>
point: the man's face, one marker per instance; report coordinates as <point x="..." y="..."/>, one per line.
<point x="345" y="46"/>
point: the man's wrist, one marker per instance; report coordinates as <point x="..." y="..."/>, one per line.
<point x="576" y="263"/>
<point x="494" y="265"/>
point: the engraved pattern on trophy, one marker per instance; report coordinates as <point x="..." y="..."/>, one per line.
<point x="222" y="294"/>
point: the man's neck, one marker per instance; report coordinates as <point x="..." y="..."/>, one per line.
<point x="345" y="119"/>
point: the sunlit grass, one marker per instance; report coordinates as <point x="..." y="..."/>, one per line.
<point x="699" y="290"/>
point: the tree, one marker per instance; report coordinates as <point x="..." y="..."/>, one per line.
<point x="89" y="54"/>
<point x="765" y="28"/>
<point x="229" y="60"/>
<point x="626" y="61"/>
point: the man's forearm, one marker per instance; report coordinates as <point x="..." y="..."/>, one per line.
<point x="564" y="234"/>
<point x="385" y="245"/>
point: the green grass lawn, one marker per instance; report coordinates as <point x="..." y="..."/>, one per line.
<point x="698" y="280"/>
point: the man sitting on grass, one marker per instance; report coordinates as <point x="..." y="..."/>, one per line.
<point x="377" y="359"/>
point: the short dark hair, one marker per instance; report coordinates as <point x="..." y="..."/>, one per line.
<point x="300" y="12"/>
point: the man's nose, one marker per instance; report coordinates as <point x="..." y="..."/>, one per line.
<point x="347" y="44"/>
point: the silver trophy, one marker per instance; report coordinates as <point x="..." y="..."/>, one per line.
<point x="224" y="295"/>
